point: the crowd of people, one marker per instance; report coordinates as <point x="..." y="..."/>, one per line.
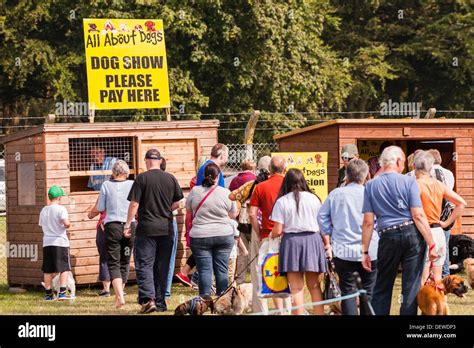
<point x="376" y="220"/>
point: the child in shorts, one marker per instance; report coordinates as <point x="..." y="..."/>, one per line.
<point x="54" y="220"/>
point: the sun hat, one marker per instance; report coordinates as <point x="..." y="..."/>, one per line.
<point x="349" y="150"/>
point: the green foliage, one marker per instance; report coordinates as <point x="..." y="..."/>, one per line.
<point x="419" y="51"/>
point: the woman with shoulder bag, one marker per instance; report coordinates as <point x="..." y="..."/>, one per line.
<point x="302" y="253"/>
<point x="211" y="235"/>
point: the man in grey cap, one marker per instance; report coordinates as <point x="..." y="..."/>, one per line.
<point x="154" y="195"/>
<point x="348" y="152"/>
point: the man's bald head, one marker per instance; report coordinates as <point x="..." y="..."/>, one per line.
<point x="277" y="165"/>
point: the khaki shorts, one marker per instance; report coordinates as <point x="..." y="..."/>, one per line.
<point x="232" y="267"/>
<point x="440" y="240"/>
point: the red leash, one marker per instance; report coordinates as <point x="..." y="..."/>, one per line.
<point x="431" y="281"/>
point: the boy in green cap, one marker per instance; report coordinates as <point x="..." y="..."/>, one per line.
<point x="54" y="220"/>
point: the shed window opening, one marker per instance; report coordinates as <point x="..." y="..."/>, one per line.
<point x="370" y="149"/>
<point x="91" y="160"/>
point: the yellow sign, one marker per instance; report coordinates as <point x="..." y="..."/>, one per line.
<point x="126" y="64"/>
<point x="314" y="166"/>
<point x="371" y="148"/>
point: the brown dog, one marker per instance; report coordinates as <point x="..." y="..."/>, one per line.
<point x="236" y="301"/>
<point x="469" y="267"/>
<point x="195" y="306"/>
<point x="432" y="298"/>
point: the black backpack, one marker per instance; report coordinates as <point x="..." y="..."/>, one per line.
<point x="447" y="207"/>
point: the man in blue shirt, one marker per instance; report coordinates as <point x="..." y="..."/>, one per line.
<point x="99" y="162"/>
<point x="219" y="155"/>
<point x="404" y="232"/>
<point x="341" y="218"/>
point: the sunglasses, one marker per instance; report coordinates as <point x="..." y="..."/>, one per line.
<point x="347" y="158"/>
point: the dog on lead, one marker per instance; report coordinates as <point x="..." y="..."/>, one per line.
<point x="70" y="284"/>
<point x="432" y="298"/>
<point x="469" y="268"/>
<point x="195" y="306"/>
<point x="236" y="300"/>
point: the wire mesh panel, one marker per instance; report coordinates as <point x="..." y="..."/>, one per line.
<point x="85" y="153"/>
<point x="240" y="152"/>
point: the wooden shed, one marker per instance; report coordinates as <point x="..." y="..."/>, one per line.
<point x="452" y="137"/>
<point x="59" y="154"/>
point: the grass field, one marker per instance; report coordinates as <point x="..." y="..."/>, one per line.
<point x="88" y="303"/>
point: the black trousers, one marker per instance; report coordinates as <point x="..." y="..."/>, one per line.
<point x="119" y="250"/>
<point x="104" y="275"/>
<point x="347" y="283"/>
<point x="152" y="263"/>
<point x="191" y="261"/>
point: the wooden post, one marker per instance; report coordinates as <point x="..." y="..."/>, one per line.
<point x="91" y="115"/>
<point x="50" y="118"/>
<point x="249" y="133"/>
<point x="168" y="114"/>
<point x="430" y="113"/>
<point x="250" y="128"/>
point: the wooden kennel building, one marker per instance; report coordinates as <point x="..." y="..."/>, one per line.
<point x="454" y="138"/>
<point x="59" y="154"/>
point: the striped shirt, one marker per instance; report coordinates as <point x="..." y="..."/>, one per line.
<point x="96" y="181"/>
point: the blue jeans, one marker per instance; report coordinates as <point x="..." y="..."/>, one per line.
<point x="347" y="282"/>
<point x="152" y="258"/>
<point x="403" y="245"/>
<point x="172" y="259"/>
<point x="446" y="262"/>
<point x="212" y="254"/>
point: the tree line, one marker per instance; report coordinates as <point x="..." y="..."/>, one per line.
<point x="297" y="58"/>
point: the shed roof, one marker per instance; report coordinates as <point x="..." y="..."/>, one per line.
<point x="109" y="126"/>
<point x="375" y="121"/>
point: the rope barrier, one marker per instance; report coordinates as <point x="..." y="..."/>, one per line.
<point x="317" y="303"/>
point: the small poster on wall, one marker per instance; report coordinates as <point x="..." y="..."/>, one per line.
<point x="314" y="166"/>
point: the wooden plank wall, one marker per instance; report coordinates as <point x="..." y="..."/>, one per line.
<point x="323" y="140"/>
<point x="22" y="221"/>
<point x="84" y="255"/>
<point x="464" y="165"/>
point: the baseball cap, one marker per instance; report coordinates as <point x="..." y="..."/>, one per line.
<point x="55" y="192"/>
<point x="153" y="154"/>
<point x="349" y="150"/>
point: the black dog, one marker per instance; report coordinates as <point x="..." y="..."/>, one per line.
<point x="461" y="247"/>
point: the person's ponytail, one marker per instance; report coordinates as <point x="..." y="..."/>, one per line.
<point x="211" y="172"/>
<point x="208" y="181"/>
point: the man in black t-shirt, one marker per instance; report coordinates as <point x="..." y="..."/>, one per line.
<point x="154" y="195"/>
